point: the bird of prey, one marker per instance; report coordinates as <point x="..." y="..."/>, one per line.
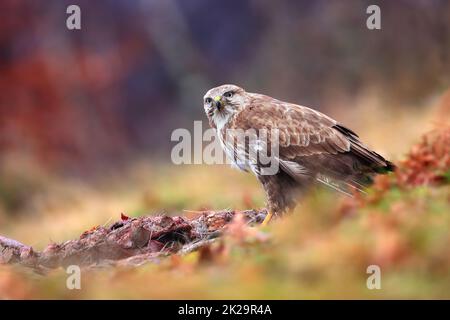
<point x="311" y="147"/>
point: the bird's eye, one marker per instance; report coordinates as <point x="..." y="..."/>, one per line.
<point x="208" y="100"/>
<point x="228" y="94"/>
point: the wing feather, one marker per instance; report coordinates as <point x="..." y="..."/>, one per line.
<point x="311" y="142"/>
<point x="302" y="131"/>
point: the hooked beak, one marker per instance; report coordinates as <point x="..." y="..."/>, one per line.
<point x="218" y="102"/>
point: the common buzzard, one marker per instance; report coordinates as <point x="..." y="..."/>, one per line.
<point x="311" y="147"/>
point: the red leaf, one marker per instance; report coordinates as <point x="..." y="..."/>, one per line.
<point x="124" y="217"/>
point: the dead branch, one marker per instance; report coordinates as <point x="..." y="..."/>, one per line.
<point x="129" y="241"/>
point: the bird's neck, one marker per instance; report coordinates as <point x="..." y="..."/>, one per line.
<point x="221" y="120"/>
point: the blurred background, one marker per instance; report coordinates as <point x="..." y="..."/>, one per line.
<point x="86" y="115"/>
<point x="138" y="69"/>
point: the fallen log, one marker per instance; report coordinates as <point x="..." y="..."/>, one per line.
<point x="130" y="241"/>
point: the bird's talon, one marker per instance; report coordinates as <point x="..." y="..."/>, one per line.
<point x="267" y="219"/>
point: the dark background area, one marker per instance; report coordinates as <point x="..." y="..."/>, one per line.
<point x="139" y="69"/>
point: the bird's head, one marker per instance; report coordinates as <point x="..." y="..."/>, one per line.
<point x="222" y="102"/>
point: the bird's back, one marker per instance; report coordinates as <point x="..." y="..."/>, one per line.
<point x="312" y="143"/>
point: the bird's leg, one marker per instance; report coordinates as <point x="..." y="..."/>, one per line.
<point x="267" y="218"/>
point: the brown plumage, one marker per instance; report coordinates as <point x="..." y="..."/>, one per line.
<point x="312" y="147"/>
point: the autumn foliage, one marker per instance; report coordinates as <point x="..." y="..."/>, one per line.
<point x="428" y="162"/>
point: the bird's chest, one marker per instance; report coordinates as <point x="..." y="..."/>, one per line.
<point x="234" y="152"/>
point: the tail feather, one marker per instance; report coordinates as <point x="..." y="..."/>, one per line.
<point x="366" y="160"/>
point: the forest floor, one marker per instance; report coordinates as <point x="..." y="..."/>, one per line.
<point x="322" y="250"/>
